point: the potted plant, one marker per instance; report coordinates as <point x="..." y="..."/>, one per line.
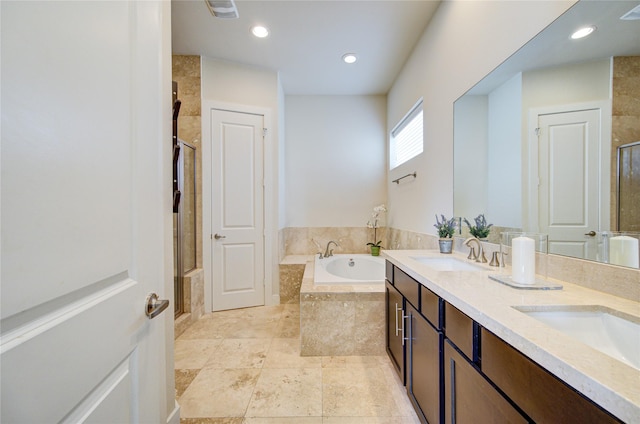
<point x="481" y="229"/>
<point x="445" y="228"/>
<point x="374" y="223"/>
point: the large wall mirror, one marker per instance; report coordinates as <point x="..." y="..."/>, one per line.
<point x="548" y="141"/>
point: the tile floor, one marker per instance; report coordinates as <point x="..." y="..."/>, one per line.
<point x="243" y="367"/>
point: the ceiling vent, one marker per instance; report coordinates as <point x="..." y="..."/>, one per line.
<point x="632" y="15"/>
<point x="223" y="9"/>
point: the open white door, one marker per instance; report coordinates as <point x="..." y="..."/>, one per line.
<point x="86" y="212"/>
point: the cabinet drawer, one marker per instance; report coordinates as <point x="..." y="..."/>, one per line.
<point x="459" y="329"/>
<point x="430" y="306"/>
<point x="388" y="271"/>
<point x="542" y="396"/>
<point x="406" y="285"/>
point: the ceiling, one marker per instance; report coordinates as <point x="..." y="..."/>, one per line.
<point x="553" y="46"/>
<point x="308" y="38"/>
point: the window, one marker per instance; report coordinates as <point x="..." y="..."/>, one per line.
<point x="406" y="137"/>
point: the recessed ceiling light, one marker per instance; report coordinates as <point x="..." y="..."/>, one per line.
<point x="349" y="58"/>
<point x="583" y="32"/>
<point x="260" y="31"/>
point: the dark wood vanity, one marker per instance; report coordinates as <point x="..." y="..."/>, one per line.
<point x="456" y="371"/>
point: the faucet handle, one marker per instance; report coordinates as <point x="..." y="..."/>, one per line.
<point x="319" y="255"/>
<point x="494" y="259"/>
<point x="472" y="253"/>
<point x="481" y="258"/>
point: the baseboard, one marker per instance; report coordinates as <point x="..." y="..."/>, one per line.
<point x="275" y="299"/>
<point x="174" y="416"/>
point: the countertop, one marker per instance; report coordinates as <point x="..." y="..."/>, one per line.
<point x="608" y="382"/>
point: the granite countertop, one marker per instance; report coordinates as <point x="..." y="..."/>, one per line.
<point x="608" y="382"/>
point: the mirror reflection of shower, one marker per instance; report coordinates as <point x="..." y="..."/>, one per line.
<point x="628" y="205"/>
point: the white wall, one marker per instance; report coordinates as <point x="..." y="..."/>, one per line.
<point x="504" y="155"/>
<point x="335" y="157"/>
<point x="464" y="41"/>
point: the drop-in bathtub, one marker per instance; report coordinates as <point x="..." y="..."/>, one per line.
<point x="349" y="269"/>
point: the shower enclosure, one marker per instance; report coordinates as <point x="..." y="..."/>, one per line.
<point x="628" y="207"/>
<point x="184" y="222"/>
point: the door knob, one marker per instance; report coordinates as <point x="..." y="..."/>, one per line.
<point x="590" y="233"/>
<point x="218" y="236"/>
<point x="155" y="306"/>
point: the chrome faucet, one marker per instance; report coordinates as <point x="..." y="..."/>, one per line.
<point x="328" y="252"/>
<point x="479" y="256"/>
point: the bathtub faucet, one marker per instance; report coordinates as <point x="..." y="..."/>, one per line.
<point x="329" y="252"/>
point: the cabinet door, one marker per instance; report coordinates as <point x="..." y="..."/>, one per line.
<point x="469" y="398"/>
<point x="423" y="359"/>
<point x="395" y="329"/>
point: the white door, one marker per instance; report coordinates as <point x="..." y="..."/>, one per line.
<point x="85" y="211"/>
<point x="569" y="187"/>
<point x="237" y="209"/>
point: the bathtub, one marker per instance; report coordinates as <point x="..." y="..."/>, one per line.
<point x="349" y="269"/>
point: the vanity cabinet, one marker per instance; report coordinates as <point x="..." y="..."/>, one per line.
<point x="424" y="353"/>
<point x="469" y="397"/>
<point x="395" y="328"/>
<point x="545" y="398"/>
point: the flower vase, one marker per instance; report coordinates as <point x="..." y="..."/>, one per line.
<point x="375" y="250"/>
<point x="446" y="245"/>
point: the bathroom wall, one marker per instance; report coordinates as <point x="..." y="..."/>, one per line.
<point x="463" y="42"/>
<point x="626" y="118"/>
<point x="237" y="84"/>
<point x="335" y="161"/>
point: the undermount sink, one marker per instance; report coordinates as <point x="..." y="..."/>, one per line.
<point x="611" y="332"/>
<point x="447" y="263"/>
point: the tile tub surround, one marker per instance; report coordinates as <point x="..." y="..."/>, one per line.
<point x="341" y="320"/>
<point x="193" y="295"/>
<point x="606" y="381"/>
<point x="291" y="273"/>
<point x="244" y="367"/>
<point x="300" y="240"/>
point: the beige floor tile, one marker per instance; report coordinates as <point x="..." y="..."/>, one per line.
<point x="194" y="353"/>
<point x="287" y="393"/>
<point x="219" y="393"/>
<point x="183" y="379"/>
<point x="350" y="361"/>
<point x="208" y="328"/>
<point x="370" y="420"/>
<point x="357" y="392"/>
<point x="239" y="353"/>
<point x="211" y="420"/>
<point x="284" y="420"/>
<point x="285" y="353"/>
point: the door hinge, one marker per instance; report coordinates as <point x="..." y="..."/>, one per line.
<point x="537" y="130"/>
<point x="264" y="132"/>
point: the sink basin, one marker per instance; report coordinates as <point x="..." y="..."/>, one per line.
<point x="611" y="332"/>
<point x="447" y="263"/>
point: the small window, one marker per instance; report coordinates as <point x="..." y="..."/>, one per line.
<point x="406" y="137"/>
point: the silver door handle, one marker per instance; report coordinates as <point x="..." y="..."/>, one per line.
<point x="218" y="236"/>
<point x="155" y="306"/>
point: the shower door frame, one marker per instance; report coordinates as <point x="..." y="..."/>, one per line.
<point x="618" y="153"/>
<point x="180" y="272"/>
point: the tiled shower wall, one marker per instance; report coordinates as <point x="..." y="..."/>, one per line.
<point x="626" y="117"/>
<point x="186" y="72"/>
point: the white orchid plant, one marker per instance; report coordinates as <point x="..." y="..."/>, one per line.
<point x="374" y="223"/>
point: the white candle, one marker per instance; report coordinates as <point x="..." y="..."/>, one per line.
<point x="623" y="250"/>
<point x="524" y="260"/>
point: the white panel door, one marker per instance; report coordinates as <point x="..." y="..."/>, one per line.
<point x="569" y="190"/>
<point x="85" y="97"/>
<point x="237" y="210"/>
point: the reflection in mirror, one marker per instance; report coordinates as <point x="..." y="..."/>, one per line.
<point x="535" y="142"/>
